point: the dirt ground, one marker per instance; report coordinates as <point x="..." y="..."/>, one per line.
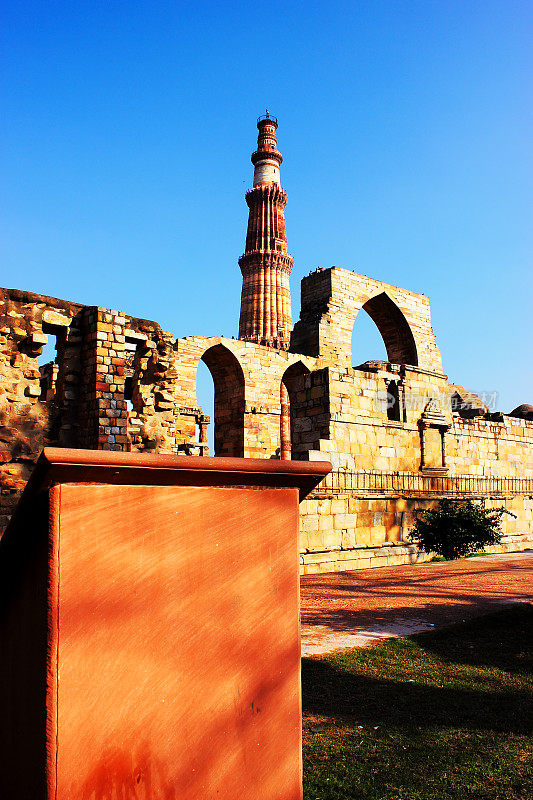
<point x="351" y="609"/>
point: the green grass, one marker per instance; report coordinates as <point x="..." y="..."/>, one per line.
<point x="435" y="559"/>
<point x="445" y="715"/>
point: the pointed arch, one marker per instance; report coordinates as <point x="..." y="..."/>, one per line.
<point x="394" y="329"/>
<point x="228" y="378"/>
<point x="289" y="434"/>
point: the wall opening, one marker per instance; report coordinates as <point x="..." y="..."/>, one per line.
<point x="394" y="329"/>
<point x="50" y="361"/>
<point x="290" y="435"/>
<point x="48" y="367"/>
<point x="394" y="411"/>
<point x="205" y="397"/>
<point x="367" y="342"/>
<point x="130" y="351"/>
<point x="228" y="406"/>
<point x="128" y="392"/>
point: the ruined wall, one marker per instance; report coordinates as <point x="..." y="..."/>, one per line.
<point x="486" y="447"/>
<point x="80" y="400"/>
<point x="122" y="383"/>
<point x="26" y="422"/>
<point x="331" y="300"/>
<point x="389" y="428"/>
<point x="383" y="469"/>
<point x="247" y="379"/>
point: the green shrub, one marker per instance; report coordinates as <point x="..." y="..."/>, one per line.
<point x="455" y="528"/>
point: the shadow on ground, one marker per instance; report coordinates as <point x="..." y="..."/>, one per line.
<point x="336" y="689"/>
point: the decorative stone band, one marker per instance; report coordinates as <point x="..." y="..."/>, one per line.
<point x="266" y="220"/>
<point x="260" y="155"/>
<point x="271" y="192"/>
<point x="263" y="259"/>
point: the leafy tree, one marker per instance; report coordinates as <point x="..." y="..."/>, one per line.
<point x="455" y="528"/>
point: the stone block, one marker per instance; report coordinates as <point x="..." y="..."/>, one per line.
<point x="379" y="561"/>
<point x="341" y="521"/>
<point x="309" y="523"/>
<point x="348" y="539"/>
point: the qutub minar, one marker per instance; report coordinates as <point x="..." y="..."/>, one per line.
<point x="266" y="265"/>
<point x="398" y="433"/>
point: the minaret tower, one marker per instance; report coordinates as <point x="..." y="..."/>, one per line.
<point x="266" y="265"/>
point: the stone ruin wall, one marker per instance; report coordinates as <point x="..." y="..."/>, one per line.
<point x="386" y="464"/>
<point x="123" y="383"/>
<point x="330" y="301"/>
<point x="103" y="358"/>
<point x="364" y="522"/>
<point x="247" y="378"/>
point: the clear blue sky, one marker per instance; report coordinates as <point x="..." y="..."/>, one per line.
<point x="405" y="127"/>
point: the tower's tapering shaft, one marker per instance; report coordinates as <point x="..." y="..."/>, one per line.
<point x="266" y="266"/>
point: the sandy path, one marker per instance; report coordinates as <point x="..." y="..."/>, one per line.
<point x="352" y="609"/>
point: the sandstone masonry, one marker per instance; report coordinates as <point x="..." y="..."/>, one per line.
<point x="398" y="434"/>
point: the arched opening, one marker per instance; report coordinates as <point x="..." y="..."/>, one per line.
<point x="394" y="328"/>
<point x="228" y="406"/>
<point x="367" y="342"/>
<point x="205" y="397"/>
<point x="291" y="443"/>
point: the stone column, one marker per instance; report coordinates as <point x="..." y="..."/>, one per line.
<point x="285" y="423"/>
<point x="203" y="423"/>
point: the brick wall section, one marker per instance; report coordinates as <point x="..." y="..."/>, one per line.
<point x="103" y="409"/>
<point x="348" y="529"/>
<point x="354" y="532"/>
<point x="484" y="447"/>
<point x="79" y="401"/>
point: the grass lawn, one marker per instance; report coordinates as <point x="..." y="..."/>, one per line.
<point x="440" y="715"/>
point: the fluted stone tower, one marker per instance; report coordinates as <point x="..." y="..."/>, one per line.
<point x="266" y="265"/>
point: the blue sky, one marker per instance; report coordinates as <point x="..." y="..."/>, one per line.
<point x="405" y="127"/>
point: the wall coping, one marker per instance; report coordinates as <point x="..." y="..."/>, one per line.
<point x="65" y="465"/>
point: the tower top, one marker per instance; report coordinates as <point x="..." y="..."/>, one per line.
<point x="267" y="158"/>
<point x="267" y="118"/>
